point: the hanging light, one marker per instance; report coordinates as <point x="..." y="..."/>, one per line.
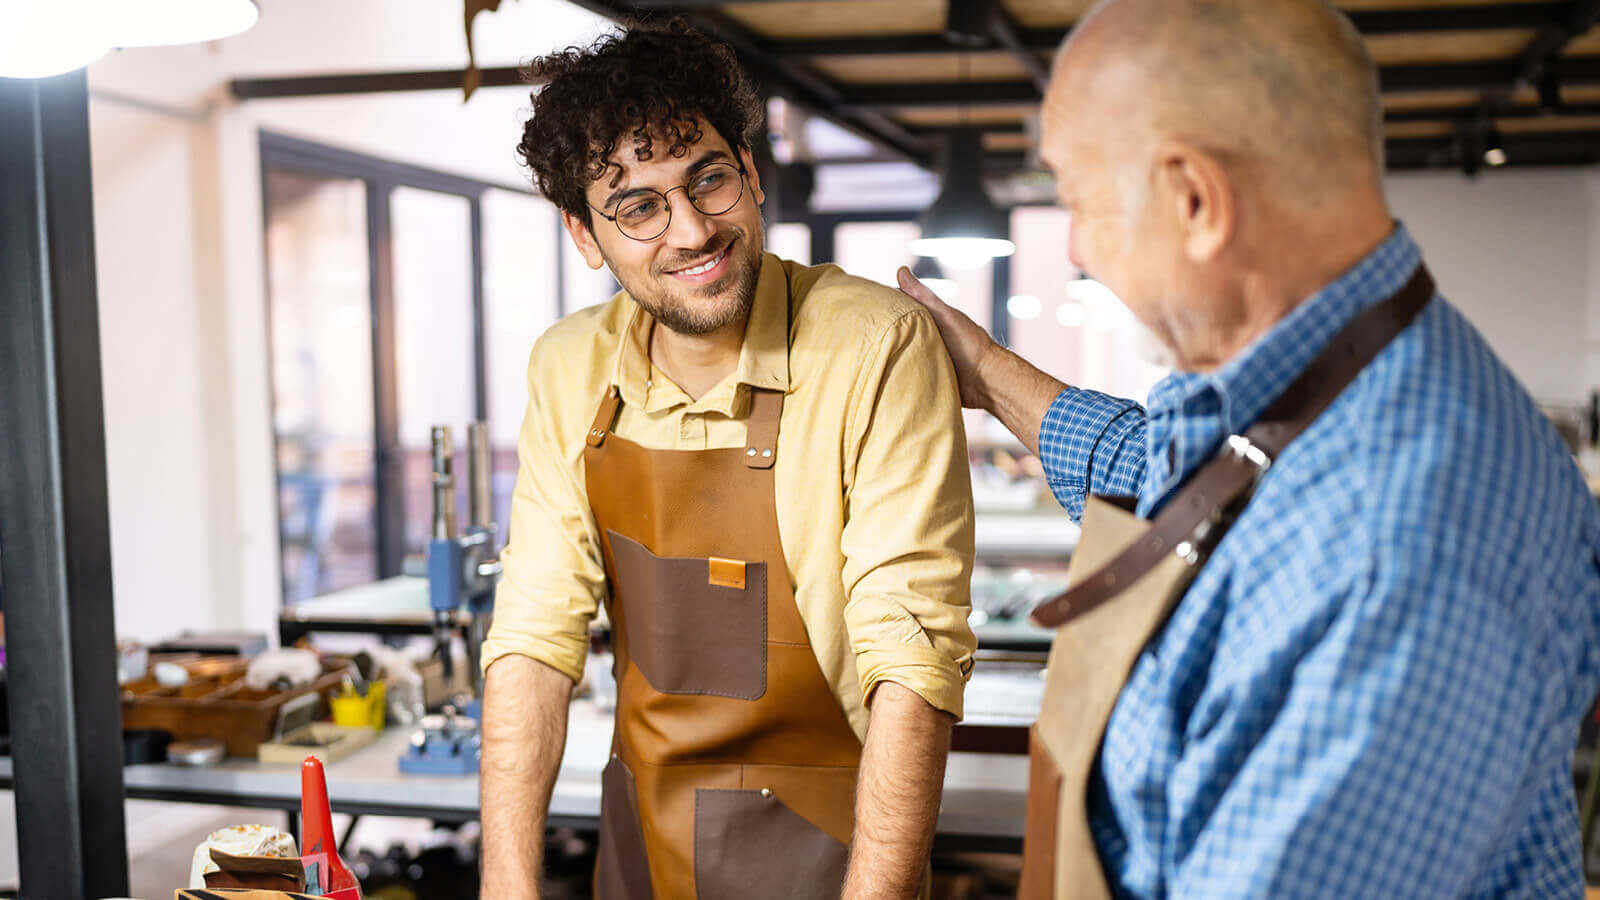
<point x="963" y="228"/>
<point x="1494" y="152"/>
<point x="159" y="23"/>
<point x="932" y="276"/>
<point x="40" y="38"/>
<point x="1024" y="307"/>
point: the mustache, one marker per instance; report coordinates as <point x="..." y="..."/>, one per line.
<point x="718" y="243"/>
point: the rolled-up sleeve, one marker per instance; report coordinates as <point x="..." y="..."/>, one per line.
<point x="907" y="538"/>
<point x="553" y="578"/>
<point x="1091" y="441"/>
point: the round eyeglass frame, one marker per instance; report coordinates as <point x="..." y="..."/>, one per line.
<point x="667" y="205"/>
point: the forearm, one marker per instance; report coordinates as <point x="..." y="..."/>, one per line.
<point x="524" y="734"/>
<point x="897" y="796"/>
<point x="1015" y="392"/>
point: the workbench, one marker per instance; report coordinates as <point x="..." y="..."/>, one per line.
<point x="983" y="809"/>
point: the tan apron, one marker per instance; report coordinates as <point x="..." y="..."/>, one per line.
<point x="733" y="766"/>
<point x="1145" y="566"/>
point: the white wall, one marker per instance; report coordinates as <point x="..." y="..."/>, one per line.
<point x="1513" y="250"/>
<point x="178" y="233"/>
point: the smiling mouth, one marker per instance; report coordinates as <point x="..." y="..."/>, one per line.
<point x="708" y="265"/>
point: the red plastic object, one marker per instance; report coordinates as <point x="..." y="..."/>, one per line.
<point x="319" y="851"/>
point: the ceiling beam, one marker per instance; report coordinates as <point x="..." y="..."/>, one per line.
<point x="1420" y="20"/>
<point x="1395" y="79"/>
<point x="1455" y="113"/>
<point x="371" y="83"/>
<point x="787" y="78"/>
<point x="1007" y="33"/>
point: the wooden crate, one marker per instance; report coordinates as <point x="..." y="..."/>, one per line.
<point x="217" y="704"/>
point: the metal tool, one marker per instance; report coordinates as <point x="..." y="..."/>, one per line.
<point x="462" y="567"/>
<point x="446" y="744"/>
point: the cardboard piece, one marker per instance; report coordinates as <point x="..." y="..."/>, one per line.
<point x="275" y="873"/>
<point x="324" y="740"/>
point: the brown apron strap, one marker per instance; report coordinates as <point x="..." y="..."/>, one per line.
<point x="605" y="417"/>
<point x="1196" y="517"/>
<point x="761" y="429"/>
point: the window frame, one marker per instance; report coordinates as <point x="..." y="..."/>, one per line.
<point x="380" y="177"/>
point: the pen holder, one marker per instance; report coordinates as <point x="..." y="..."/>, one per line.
<point x="353" y="710"/>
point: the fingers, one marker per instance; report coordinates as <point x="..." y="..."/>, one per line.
<point x="916" y="289"/>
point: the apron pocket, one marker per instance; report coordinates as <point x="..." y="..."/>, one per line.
<point x="748" y="845"/>
<point x="689" y="628"/>
<point x="622" y="871"/>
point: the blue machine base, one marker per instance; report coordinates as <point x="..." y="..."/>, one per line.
<point x="414" y="763"/>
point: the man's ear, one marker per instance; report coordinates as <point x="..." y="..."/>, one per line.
<point x="1198" y="192"/>
<point x="584" y="239"/>
<point x="752" y="176"/>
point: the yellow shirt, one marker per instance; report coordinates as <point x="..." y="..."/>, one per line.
<point x="872" y="487"/>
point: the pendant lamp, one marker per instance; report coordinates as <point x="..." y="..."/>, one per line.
<point x="963" y="228"/>
<point x="40" y="38"/>
<point x="931" y="274"/>
<point x="159" y="23"/>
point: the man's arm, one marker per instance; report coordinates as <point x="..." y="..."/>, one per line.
<point x="897" y="796"/>
<point x="524" y="734"/>
<point x="550" y="585"/>
<point x="1088" y="442"/>
<point x="992" y="378"/>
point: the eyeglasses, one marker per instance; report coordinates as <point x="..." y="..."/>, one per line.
<point x="645" y="214"/>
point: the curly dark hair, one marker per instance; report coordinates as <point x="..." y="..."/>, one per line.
<point x="650" y="82"/>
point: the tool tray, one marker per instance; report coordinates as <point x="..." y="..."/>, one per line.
<point x="216" y="703"/>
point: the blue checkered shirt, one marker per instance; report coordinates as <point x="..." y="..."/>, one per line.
<point x="1373" y="688"/>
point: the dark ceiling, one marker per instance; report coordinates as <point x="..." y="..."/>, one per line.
<point x="1457" y="76"/>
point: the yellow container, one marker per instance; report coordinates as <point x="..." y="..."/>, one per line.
<point x="353" y="710"/>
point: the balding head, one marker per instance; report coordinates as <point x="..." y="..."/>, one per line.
<point x="1208" y="134"/>
<point x="1286" y="83"/>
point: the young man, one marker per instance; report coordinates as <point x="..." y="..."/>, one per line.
<point x="759" y="469"/>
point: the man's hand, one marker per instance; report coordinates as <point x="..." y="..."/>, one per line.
<point x="524" y="735"/>
<point x="970" y="347"/>
<point x="992" y="378"/>
<point x="897" y="797"/>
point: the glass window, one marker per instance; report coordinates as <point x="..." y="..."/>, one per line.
<point x="435" y="352"/>
<point x="321" y="336"/>
<point x="790" y="240"/>
<point x="521" y="239"/>
<point x="876" y="250"/>
<point x="1075" y="329"/>
<point x="583" y="286"/>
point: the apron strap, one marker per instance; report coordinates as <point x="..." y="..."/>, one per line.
<point x="761" y="429"/>
<point x="605" y="416"/>
<point x="1195" y="519"/>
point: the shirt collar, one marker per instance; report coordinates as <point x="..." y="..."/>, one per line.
<point x="763" y="358"/>
<point x="1254" y="378"/>
<point x="1191" y="412"/>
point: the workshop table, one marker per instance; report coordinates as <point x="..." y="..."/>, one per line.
<point x="984" y="802"/>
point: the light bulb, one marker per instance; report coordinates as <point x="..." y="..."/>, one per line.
<point x="50" y="37"/>
<point x="963" y="252"/>
<point x="1024" y="307"/>
<point x="157" y="23"/>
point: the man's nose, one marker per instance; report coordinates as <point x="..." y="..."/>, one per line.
<point x="690" y="228"/>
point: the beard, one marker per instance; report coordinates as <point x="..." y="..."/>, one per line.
<point x="706" y="308"/>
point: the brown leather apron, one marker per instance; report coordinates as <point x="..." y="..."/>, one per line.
<point x="733" y="766"/>
<point x="1145" y="566"/>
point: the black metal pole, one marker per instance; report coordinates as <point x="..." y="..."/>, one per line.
<point x="55" y="551"/>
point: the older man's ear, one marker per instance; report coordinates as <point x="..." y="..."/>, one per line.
<point x="1195" y="187"/>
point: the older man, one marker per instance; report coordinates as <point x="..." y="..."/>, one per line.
<point x="1372" y="684"/>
